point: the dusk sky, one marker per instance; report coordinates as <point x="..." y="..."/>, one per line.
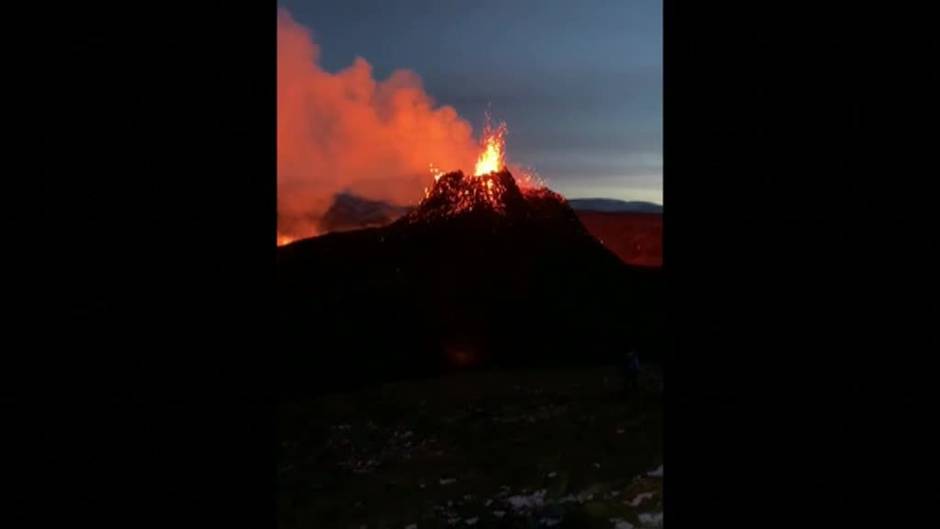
<point x="578" y="83"/>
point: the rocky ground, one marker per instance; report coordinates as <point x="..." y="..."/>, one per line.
<point x="536" y="448"/>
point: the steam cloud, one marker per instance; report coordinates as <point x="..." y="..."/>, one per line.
<point x="345" y="131"/>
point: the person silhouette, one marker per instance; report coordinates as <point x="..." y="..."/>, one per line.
<point x="631" y="371"/>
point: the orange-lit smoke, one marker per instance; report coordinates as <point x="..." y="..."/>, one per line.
<point x="345" y="131"/>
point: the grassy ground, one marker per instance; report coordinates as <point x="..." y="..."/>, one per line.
<point x="536" y="448"/>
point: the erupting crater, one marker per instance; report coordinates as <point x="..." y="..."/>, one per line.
<point x="497" y="195"/>
<point x="491" y="190"/>
<point x="456" y="193"/>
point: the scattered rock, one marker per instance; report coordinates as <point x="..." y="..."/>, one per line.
<point x="640" y="498"/>
<point x="521" y="502"/>
<point x="649" y="519"/>
<point x="582" y="496"/>
<point x="620" y="523"/>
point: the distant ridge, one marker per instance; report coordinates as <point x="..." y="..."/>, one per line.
<point x="611" y="205"/>
<point x="351" y="212"/>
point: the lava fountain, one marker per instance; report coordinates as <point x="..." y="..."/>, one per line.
<point x="493" y="157"/>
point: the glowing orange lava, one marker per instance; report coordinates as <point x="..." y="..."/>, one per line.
<point x="492" y="159"/>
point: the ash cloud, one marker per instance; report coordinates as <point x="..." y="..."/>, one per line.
<point x="348" y="132"/>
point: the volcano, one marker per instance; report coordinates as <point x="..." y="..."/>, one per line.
<point x="481" y="273"/>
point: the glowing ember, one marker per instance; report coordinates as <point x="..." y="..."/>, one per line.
<point x="492" y="159"/>
<point x="527" y="179"/>
<point x="437" y="173"/>
<point x="284" y="239"/>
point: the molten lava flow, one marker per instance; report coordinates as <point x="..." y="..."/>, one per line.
<point x="492" y="159"/>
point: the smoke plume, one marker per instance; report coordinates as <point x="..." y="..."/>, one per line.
<point x="346" y="131"/>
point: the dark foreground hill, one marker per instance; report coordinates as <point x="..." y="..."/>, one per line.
<point x="632" y="230"/>
<point x="480" y="274"/>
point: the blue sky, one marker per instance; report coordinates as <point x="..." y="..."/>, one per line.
<point x="578" y="82"/>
